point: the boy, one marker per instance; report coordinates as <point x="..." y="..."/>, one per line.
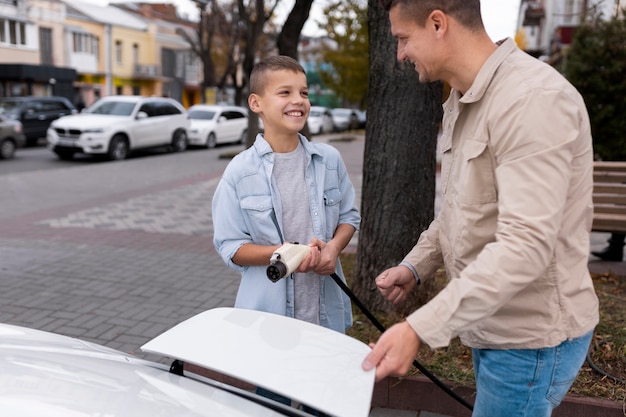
<point x="286" y="189"/>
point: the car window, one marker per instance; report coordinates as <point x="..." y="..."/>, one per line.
<point x="166" y="109"/>
<point x="231" y="114"/>
<point x="53" y="106"/>
<point x="7" y="106"/>
<point x="35" y="106"/>
<point x="149" y="109"/>
<point x="201" y="114"/>
<point x="112" y="108"/>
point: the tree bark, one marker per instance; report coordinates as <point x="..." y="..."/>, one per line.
<point x="289" y="36"/>
<point x="398" y="190"/>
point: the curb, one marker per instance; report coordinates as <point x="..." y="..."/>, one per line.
<point x="419" y="393"/>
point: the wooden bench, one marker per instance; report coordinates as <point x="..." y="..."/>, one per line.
<point x="609" y="196"/>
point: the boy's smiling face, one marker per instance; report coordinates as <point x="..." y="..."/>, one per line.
<point x="284" y="103"/>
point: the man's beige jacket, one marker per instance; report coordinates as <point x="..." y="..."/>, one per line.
<point x="513" y="229"/>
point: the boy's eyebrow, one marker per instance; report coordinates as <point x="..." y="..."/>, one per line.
<point x="289" y="86"/>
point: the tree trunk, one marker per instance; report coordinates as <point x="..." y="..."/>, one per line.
<point x="398" y="190"/>
<point x="289" y="37"/>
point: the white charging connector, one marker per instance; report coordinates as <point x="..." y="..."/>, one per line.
<point x="286" y="259"/>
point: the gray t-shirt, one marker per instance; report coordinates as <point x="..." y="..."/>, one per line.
<point x="289" y="170"/>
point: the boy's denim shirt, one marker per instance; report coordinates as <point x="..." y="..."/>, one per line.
<point x="246" y="209"/>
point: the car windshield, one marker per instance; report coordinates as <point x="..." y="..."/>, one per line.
<point x="316" y="113"/>
<point x="8" y="106"/>
<point x="201" y="114"/>
<point x="342" y="112"/>
<point x="112" y="108"/>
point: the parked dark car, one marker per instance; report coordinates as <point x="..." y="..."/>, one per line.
<point x="11" y="137"/>
<point x="35" y="113"/>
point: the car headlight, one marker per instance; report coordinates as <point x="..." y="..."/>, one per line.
<point x="94" y="130"/>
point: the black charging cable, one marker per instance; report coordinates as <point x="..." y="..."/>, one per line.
<point x="382" y="329"/>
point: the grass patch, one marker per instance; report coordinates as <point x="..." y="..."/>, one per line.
<point x="454" y="363"/>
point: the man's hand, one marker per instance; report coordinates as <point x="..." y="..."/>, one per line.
<point x="394" y="352"/>
<point x="396" y="283"/>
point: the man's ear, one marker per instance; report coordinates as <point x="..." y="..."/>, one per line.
<point x="438" y="20"/>
<point x="254" y="103"/>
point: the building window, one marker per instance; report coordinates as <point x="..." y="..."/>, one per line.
<point x="45" y="46"/>
<point x="12" y="32"/>
<point x="85" y="43"/>
<point x="135" y="54"/>
<point x="118" y="52"/>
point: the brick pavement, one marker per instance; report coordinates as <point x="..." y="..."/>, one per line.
<point x="115" y="269"/>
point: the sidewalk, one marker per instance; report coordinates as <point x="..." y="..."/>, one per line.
<point x="121" y="268"/>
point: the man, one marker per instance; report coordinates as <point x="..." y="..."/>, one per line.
<point x="513" y="229"/>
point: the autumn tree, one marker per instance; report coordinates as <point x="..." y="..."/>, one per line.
<point x="595" y="65"/>
<point x="346" y="56"/>
<point x="398" y="190"/>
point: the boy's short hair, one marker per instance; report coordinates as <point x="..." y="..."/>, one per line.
<point x="273" y="63"/>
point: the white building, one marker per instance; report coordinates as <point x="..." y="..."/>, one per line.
<point x="545" y="26"/>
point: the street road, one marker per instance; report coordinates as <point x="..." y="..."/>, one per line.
<point x="110" y="252"/>
<point x="117" y="252"/>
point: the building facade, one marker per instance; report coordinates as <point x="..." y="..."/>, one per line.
<point x="546" y="27"/>
<point x="84" y="51"/>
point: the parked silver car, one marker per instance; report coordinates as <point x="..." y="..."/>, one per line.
<point x="114" y="126"/>
<point x="345" y="119"/>
<point x="11" y="137"/>
<point x="45" y="374"/>
<point x="212" y="125"/>
<point x="320" y="120"/>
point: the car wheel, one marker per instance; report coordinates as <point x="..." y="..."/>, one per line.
<point x="211" y="141"/>
<point x="64" y="154"/>
<point x="32" y="141"/>
<point x="244" y="137"/>
<point x="179" y="141"/>
<point x="118" y="148"/>
<point x="7" y="149"/>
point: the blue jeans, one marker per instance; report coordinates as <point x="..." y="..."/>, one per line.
<point x="526" y="382"/>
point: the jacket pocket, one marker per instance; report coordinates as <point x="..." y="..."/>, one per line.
<point x="477" y="184"/>
<point x="260" y="216"/>
<point x="332" y="209"/>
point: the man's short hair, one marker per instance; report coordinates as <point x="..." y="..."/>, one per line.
<point x="466" y="12"/>
<point x="273" y="63"/>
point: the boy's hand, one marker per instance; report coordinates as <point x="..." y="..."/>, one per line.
<point x="396" y="283"/>
<point x="328" y="260"/>
<point x="311" y="261"/>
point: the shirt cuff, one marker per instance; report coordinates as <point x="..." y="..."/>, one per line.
<point x="412" y="269"/>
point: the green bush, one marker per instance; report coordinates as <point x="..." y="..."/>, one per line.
<point x="596" y="66"/>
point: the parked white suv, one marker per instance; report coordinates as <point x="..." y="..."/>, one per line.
<point x="114" y="126"/>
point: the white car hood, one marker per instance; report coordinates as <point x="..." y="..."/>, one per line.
<point x="86" y="120"/>
<point x="308" y="363"/>
<point x="43" y="374"/>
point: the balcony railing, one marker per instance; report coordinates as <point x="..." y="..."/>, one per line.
<point x="147" y="70"/>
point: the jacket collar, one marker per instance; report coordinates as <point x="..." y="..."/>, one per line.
<point x="263" y="148"/>
<point x="476" y="92"/>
